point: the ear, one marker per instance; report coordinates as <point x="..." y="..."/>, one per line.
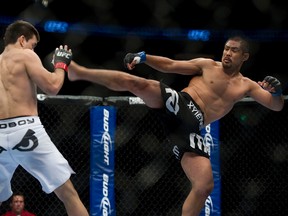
<point x="245" y="56"/>
<point x="22" y="39"/>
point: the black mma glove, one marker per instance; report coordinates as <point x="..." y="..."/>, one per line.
<point x="62" y="59"/>
<point x="274" y="83"/>
<point x="140" y="57"/>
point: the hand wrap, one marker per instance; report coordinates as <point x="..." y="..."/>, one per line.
<point x="274" y="83"/>
<point x="139" y="57"/>
<point x="62" y="59"/>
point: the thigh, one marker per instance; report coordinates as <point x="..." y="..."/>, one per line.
<point x="7" y="169"/>
<point x="149" y="91"/>
<point x="65" y="191"/>
<point x="44" y="161"/>
<point x="197" y="168"/>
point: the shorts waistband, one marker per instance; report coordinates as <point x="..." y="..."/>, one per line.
<point x="18" y="122"/>
<point x="188" y="97"/>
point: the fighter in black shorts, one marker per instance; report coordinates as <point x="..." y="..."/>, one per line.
<point x="217" y="85"/>
<point x="187" y="120"/>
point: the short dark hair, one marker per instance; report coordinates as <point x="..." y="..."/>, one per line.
<point x="18" y="28"/>
<point x="243" y="41"/>
<point x="16" y="194"/>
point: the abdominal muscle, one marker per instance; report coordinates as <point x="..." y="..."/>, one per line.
<point x="211" y="104"/>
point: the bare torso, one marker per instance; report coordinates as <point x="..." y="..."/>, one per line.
<point x="216" y="92"/>
<point x="18" y="92"/>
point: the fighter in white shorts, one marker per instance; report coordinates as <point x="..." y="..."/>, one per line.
<point x="24" y="142"/>
<point x="23" y="139"/>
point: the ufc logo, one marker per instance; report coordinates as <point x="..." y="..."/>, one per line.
<point x="63" y="54"/>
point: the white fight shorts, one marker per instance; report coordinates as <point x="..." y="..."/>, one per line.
<point x="24" y="142"/>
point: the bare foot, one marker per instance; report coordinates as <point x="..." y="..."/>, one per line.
<point x="72" y="74"/>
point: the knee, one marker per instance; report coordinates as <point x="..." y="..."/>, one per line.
<point x="196" y="199"/>
<point x="204" y="190"/>
<point x="66" y="191"/>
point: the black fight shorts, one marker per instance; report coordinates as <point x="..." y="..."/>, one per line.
<point x="184" y="120"/>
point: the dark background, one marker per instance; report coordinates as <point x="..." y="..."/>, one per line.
<point x="101" y="32"/>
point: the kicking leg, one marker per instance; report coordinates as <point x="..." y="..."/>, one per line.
<point x="148" y="90"/>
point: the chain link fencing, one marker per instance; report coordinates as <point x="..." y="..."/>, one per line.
<point x="148" y="180"/>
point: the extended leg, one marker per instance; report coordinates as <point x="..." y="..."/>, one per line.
<point x="147" y="89"/>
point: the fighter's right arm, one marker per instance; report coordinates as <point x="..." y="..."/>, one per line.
<point x="164" y="64"/>
<point x="49" y="82"/>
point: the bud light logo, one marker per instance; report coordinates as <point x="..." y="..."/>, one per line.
<point x="106" y="138"/>
<point x="208" y="139"/>
<point x="105" y="202"/>
<point x="103" y="126"/>
<point x="107" y="146"/>
<point x="208" y="142"/>
<point x="208" y="206"/>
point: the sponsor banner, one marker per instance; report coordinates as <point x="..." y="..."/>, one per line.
<point x="211" y="139"/>
<point x="103" y="126"/>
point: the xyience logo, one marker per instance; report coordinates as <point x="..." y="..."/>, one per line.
<point x="208" y="206"/>
<point x="105" y="205"/>
<point x="106" y="138"/>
